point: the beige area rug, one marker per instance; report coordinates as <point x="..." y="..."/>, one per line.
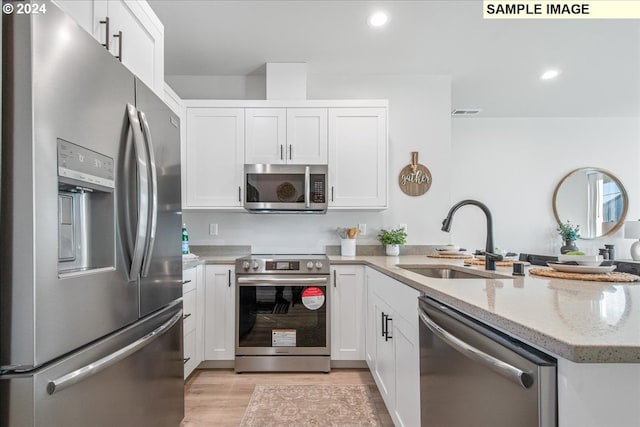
<point x="310" y="405"/>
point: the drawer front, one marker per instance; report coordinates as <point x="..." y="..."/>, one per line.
<point x="189" y="310"/>
<point x="190" y="362"/>
<point x="188" y="280"/>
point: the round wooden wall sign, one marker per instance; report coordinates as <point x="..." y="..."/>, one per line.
<point x="415" y="179"/>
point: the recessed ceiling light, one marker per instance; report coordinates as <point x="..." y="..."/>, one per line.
<point x="378" y="19"/>
<point x="549" y="75"/>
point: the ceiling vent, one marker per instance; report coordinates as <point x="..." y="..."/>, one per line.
<point x="465" y="112"/>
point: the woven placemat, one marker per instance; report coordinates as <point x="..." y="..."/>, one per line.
<point x="614" y="276"/>
<point x="461" y="256"/>
<point x="507" y="263"/>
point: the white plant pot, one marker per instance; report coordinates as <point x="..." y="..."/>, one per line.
<point x="393" y="250"/>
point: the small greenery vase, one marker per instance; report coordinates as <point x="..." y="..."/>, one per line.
<point x="569" y="246"/>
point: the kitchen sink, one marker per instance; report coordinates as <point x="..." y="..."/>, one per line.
<point x="450" y="273"/>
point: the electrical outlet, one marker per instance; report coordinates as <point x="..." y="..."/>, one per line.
<point x="213" y="229"/>
<point x="362" y="229"/>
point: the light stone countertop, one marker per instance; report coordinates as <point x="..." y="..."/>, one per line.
<point x="584" y="322"/>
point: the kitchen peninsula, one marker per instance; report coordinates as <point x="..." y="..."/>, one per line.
<point x="591" y="328"/>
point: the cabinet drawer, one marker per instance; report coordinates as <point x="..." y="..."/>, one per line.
<point x="190" y="361"/>
<point x="189" y="310"/>
<point x="188" y="280"/>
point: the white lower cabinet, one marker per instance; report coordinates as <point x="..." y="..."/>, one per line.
<point x="347" y="315"/>
<point x="219" y="328"/>
<point x="192" y="313"/>
<point x="392" y="345"/>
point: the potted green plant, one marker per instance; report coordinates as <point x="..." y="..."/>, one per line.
<point x="569" y="234"/>
<point x="392" y="239"/>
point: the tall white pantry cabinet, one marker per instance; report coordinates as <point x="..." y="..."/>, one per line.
<point x="222" y="136"/>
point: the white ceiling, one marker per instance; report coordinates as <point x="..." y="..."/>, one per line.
<point x="494" y="64"/>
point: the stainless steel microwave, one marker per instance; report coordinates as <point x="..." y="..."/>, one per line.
<point x="286" y="188"/>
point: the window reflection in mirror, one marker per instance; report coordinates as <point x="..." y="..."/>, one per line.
<point x="593" y="198"/>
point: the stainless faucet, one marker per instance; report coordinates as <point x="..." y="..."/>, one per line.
<point x="489" y="257"/>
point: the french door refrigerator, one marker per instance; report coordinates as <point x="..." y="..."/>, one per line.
<point x="90" y="261"/>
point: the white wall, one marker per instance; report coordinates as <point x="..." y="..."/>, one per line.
<point x="419" y="120"/>
<point x="514" y="164"/>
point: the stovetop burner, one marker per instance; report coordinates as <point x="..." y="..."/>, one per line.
<point x="283" y="264"/>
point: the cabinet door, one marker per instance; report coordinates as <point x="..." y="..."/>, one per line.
<point x="266" y="136"/>
<point x="407" y="371"/>
<point x="306" y="136"/>
<point x="358" y="157"/>
<point x="370" y="325"/>
<point x="384" y="371"/>
<point x="142" y="41"/>
<point x="219" y="329"/>
<point x="347" y="316"/>
<point x="214" y="157"/>
<point x="88" y="14"/>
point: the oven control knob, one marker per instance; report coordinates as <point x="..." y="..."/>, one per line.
<point x="245" y="265"/>
<point x="310" y="265"/>
<point x="318" y="265"/>
<point x="254" y="265"/>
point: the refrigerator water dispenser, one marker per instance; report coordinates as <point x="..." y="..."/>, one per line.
<point x="86" y="217"/>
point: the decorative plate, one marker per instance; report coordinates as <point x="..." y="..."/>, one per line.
<point x="590" y="269"/>
<point x="286" y="192"/>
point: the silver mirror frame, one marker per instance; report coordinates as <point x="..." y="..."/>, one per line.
<point x="615" y="179"/>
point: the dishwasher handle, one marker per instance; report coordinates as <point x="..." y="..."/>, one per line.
<point x="508" y="371"/>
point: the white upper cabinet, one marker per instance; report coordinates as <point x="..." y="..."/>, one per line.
<point x="213" y="153"/>
<point x="307" y="136"/>
<point x="266" y="135"/>
<point x="358" y="158"/>
<point x="286" y="136"/>
<point x="129" y="29"/>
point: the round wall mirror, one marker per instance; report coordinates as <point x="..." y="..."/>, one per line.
<point x="592" y="198"/>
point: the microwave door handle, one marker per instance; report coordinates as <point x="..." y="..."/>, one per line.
<point x="307" y="185"/>
<point x="153" y="211"/>
<point x="143" y="192"/>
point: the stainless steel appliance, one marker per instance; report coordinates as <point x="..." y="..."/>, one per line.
<point x="90" y="268"/>
<point x="472" y="374"/>
<point x="286" y="188"/>
<point x="282" y="313"/>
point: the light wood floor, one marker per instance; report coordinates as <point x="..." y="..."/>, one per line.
<point x="215" y="397"/>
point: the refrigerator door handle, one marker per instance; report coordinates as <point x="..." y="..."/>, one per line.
<point x="513" y="374"/>
<point x="143" y="193"/>
<point x="93" y="368"/>
<point x="153" y="211"/>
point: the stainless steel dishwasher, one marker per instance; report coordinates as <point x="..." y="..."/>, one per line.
<point x="474" y="375"/>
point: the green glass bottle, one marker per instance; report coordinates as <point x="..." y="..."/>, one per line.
<point x="185" y="240"/>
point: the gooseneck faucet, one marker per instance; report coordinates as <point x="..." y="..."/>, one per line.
<point x="489" y="257"/>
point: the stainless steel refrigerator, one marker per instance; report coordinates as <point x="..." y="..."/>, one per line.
<point x="91" y="266"/>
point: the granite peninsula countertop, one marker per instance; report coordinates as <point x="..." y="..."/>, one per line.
<point x="584" y="322"/>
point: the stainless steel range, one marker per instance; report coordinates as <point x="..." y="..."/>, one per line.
<point x="282" y="313"/>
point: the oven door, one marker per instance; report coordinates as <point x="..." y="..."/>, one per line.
<point x="282" y="315"/>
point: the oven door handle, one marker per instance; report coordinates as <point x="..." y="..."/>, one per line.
<point x="270" y="281"/>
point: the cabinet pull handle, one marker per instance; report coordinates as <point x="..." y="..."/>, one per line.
<point x="383" y="324"/>
<point x="290" y="152"/>
<point x="229" y="278"/>
<point x="387" y="337"/>
<point x="240" y="194"/>
<point x="107" y="36"/>
<point x="186" y="360"/>
<point x="281" y="158"/>
<point x="185" y="316"/>
<point x="332" y="193"/>
<point x="335" y="279"/>
<point x="119" y="37"/>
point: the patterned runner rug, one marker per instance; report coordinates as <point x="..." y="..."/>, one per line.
<point x="310" y="405"/>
